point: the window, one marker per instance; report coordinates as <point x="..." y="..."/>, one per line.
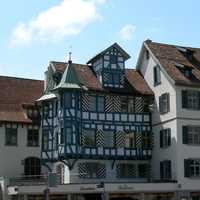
<point x="68" y="100"/>
<point x="165" y="169"/>
<point x="11" y="136"/>
<point x="164" y="102"/>
<point x="127" y="104"/>
<point x="61" y="136"/>
<point x="88" y="138"/>
<point x="32" y="113"/>
<point x="192" y="167"/>
<point x="100" y="104"/>
<point x="165" y="138"/>
<point x="92" y="104"/>
<point x="116" y="79"/>
<point x="96" y="104"/>
<point x="191" y="99"/>
<point x="33" y="137"/>
<point x="146" y="140"/>
<point x="147" y="54"/>
<point x="32" y="166"/>
<point x="191" y="135"/>
<point x="143" y="170"/>
<point x="126" y="170"/>
<point x="92" y="170"/>
<point x="45" y="139"/>
<point x="108" y="138"/>
<point x="46" y="110"/>
<point x="113" y="59"/>
<point x="157" y="75"/>
<point x="130" y="140"/>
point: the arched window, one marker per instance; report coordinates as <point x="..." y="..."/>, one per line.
<point x="32" y="166"/>
<point x="60" y="170"/>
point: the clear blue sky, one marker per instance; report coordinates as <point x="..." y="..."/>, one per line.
<point x="33" y="32"/>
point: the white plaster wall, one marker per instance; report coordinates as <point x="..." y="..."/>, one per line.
<point x="186" y="151"/>
<point x="161" y="154"/>
<point x="146" y="69"/>
<point x="177" y="117"/>
<point x="12" y="156"/>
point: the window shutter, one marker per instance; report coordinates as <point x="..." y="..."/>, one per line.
<point x="198" y="100"/>
<point x="168" y="102"/>
<point x="185" y="135"/>
<point x="170" y="169"/>
<point x="169" y="136"/>
<point x="161" y="138"/>
<point x="161" y="170"/>
<point x="155" y="75"/>
<point x="160" y="104"/>
<point x="184" y="99"/>
<point x="187" y="167"/>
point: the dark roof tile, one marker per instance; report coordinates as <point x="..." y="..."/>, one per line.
<point x="14" y="94"/>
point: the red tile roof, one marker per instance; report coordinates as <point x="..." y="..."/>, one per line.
<point x="169" y="56"/>
<point x="14" y="93"/>
<point x="134" y="82"/>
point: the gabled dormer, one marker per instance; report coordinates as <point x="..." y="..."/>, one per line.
<point x="109" y="66"/>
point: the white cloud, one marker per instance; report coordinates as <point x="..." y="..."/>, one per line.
<point x="126" y="32"/>
<point x="68" y="18"/>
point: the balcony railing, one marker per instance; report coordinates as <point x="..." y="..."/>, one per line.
<point x="117" y="117"/>
<point x="105" y="152"/>
<point x="29" y="180"/>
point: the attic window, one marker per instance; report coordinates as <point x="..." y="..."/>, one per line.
<point x="147" y="54"/>
<point x="186" y="70"/>
<point x="188" y="53"/>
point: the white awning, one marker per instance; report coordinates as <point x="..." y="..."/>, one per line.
<point x="47" y="97"/>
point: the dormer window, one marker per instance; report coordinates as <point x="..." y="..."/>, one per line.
<point x="186" y="70"/>
<point x="188" y="53"/>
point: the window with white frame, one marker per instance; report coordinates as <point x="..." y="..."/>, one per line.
<point x="195" y="168"/>
<point x="191" y="135"/>
<point x="192" y="168"/>
<point x="191" y="99"/>
<point x="164" y="103"/>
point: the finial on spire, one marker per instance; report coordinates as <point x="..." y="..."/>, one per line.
<point x="70" y="54"/>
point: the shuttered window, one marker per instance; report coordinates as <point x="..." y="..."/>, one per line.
<point x="164" y="103"/>
<point x="165" y="138"/>
<point x="191" y="135"/>
<point x="165" y="169"/>
<point x="191" y="99"/>
<point x="156" y="73"/>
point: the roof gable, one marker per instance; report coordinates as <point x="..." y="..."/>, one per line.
<point x="115" y="45"/>
<point x="170" y="56"/>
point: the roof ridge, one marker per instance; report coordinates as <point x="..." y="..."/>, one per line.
<point x="172" y="45"/>
<point x="22" y="78"/>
